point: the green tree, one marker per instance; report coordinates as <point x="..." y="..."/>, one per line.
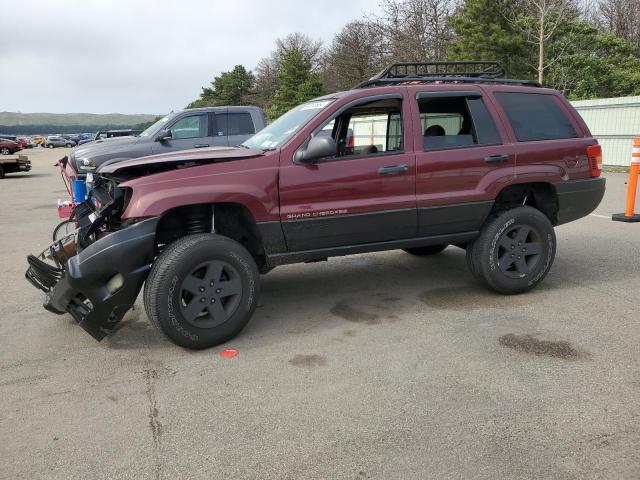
<point x="482" y="32"/>
<point x="296" y="83"/>
<point x="229" y="88"/>
<point x="594" y="64"/>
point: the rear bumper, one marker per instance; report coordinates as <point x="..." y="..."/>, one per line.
<point x="80" y="288"/>
<point x="578" y="198"/>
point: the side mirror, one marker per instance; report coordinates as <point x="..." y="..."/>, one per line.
<point x="164" y="135"/>
<point x="319" y="147"/>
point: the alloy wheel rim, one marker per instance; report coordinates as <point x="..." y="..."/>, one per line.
<point x="210" y="294"/>
<point x="519" y="251"/>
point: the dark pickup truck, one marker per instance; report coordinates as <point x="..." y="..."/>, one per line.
<point x="410" y="160"/>
<point x="184" y="130"/>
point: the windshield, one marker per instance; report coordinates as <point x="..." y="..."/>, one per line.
<point x="155" y="127"/>
<point x="276" y="134"/>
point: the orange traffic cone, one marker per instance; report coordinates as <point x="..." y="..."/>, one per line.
<point x="628" y="215"/>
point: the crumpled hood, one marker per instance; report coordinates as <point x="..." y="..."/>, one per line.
<point x="197" y="155"/>
<point x="104" y="146"/>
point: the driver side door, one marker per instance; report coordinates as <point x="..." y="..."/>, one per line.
<point x="363" y="194"/>
<point x="188" y="131"/>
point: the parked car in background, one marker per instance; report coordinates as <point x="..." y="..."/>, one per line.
<point x="7" y="147"/>
<point x="57" y="141"/>
<point x="38" y="140"/>
<point x="25" y="142"/>
<point x="80" y="137"/>
<point x="186" y="129"/>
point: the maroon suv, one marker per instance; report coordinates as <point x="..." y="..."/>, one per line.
<point x="7" y="147"/>
<point x="420" y="157"/>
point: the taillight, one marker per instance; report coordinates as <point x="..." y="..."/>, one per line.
<point x="594" y="154"/>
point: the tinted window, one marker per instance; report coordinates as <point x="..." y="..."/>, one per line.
<point x="234" y="124"/>
<point x="535" y="116"/>
<point x="240" y="124"/>
<point x="194" y="126"/>
<point x="450" y="122"/>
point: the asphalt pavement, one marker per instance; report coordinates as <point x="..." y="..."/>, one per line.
<point x="383" y="366"/>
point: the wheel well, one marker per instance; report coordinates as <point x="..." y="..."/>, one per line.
<point x="541" y="196"/>
<point x="231" y="220"/>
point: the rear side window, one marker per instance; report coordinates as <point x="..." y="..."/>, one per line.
<point x="535" y="116"/>
<point x="234" y="124"/>
<point x="457" y="121"/>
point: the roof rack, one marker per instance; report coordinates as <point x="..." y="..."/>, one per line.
<point x="443" y="72"/>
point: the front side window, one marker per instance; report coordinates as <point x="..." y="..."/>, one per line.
<point x="286" y="126"/>
<point x="193" y="126"/>
<point x="367" y="129"/>
<point x="155" y="128"/>
<point x="535" y="116"/>
<point x="453" y="122"/>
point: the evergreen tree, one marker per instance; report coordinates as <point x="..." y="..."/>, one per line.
<point x="296" y="83"/>
<point x="482" y="32"/>
<point x="229" y="88"/>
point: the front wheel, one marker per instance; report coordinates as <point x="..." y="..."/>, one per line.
<point x="5" y="151"/>
<point x="50" y="146"/>
<point x="68" y="145"/>
<point x="202" y="290"/>
<point x="514" y="251"/>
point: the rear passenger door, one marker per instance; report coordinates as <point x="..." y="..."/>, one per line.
<point x="459" y="156"/>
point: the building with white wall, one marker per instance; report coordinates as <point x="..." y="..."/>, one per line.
<point x="614" y="122"/>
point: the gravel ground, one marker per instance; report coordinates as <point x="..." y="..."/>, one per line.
<point x="379" y="366"/>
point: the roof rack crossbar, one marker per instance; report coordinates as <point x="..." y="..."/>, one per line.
<point x="444" y="72"/>
<point x="459" y="68"/>
<point x="448" y="80"/>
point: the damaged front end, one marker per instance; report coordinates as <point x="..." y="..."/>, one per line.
<point x="96" y="273"/>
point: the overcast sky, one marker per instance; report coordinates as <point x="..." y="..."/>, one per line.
<point x="143" y="56"/>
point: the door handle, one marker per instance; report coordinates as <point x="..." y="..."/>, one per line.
<point x="393" y="169"/>
<point x="496" y="158"/>
<point x="201" y="145"/>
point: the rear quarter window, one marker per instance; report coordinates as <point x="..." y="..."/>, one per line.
<point x="535" y="116"/>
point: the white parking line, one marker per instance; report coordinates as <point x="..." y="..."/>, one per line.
<point x="600" y="216"/>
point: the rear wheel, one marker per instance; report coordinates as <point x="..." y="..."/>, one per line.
<point x="425" y="251"/>
<point x="202" y="290"/>
<point x="68" y="145"/>
<point x="1" y="172"/>
<point x="5" y="151"/>
<point x="514" y="251"/>
<point x="50" y="145"/>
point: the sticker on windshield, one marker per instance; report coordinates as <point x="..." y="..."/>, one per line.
<point x="315" y="105"/>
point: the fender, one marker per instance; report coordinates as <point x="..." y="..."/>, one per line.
<point x="252" y="182"/>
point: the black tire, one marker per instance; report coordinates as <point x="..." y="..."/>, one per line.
<point x="514" y="251"/>
<point x="193" y="271"/>
<point x="62" y="229"/>
<point x="50" y="146"/>
<point x="1" y="172"/>
<point x="473" y="268"/>
<point x="426" y="251"/>
<point x="68" y="145"/>
<point x="5" y="151"/>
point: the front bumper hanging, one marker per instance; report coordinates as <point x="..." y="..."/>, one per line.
<point x="100" y="284"/>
